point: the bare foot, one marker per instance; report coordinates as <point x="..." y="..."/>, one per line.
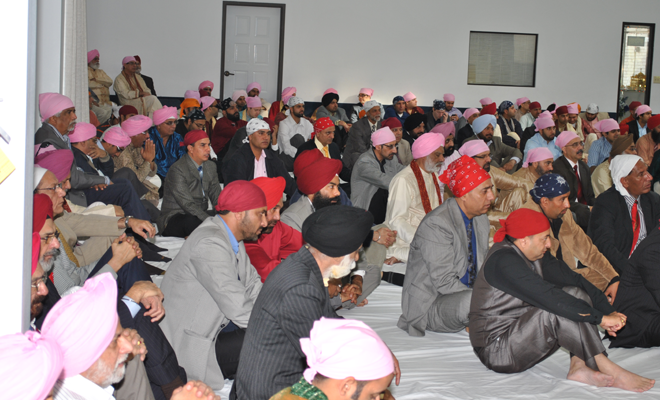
<point x="623" y="379"/>
<point x="579" y="372"/>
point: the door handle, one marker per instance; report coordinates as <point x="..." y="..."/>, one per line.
<point x="227" y="73"/>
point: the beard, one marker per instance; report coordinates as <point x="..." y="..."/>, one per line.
<point x="106" y="374"/>
<point x="541" y="172"/>
<point x="344" y="268"/>
<point x="298" y="115"/>
<point x="249" y="234"/>
<point x="320" y="201"/>
<point x="233" y="117"/>
<point x="431" y="167"/>
<point x="487" y="167"/>
<point x="138" y="70"/>
<point x="95" y="66"/>
<point x="449" y="151"/>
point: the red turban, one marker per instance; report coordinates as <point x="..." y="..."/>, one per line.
<point x="534" y="105"/>
<point x="624" y="129"/>
<point x="138" y="59"/>
<point x="633" y="106"/>
<point x="490" y="109"/>
<point x="313" y="171"/>
<point x="193" y="136"/>
<point x="42" y="208"/>
<point x="562" y="110"/>
<point x="322" y="123"/>
<point x="36" y="249"/>
<point x="392" y="122"/>
<point x="463" y="175"/>
<point x="241" y="196"/>
<point x="522" y="223"/>
<point x="125" y="110"/>
<point x="273" y="189"/>
<point x="654" y="121"/>
<point x="57" y="161"/>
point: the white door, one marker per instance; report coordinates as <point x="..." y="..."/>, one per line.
<point x="252" y="49"/>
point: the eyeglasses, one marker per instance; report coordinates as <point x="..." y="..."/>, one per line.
<point x="170" y="123"/>
<point x="39" y="281"/>
<point x="120" y="149"/>
<point x="58" y="186"/>
<point x="50" y="236"/>
<point x="480" y="157"/>
<point x="577" y="144"/>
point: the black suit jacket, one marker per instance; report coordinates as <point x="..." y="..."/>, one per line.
<point x="634" y="130"/>
<point x="464" y="133"/>
<point x="528" y="133"/>
<point x="563" y="168"/>
<point x="150" y="83"/>
<point x="82" y="162"/>
<point x="506" y="139"/>
<point x="638" y="296"/>
<point x="241" y="167"/>
<point x="610" y="226"/>
<point x="335" y="154"/>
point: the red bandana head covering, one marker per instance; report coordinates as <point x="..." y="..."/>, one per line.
<point x="193" y="136"/>
<point x="42" y="208"/>
<point x="490" y="109"/>
<point x="313" y="171"/>
<point x="392" y="122"/>
<point x="241" y="196"/>
<point x="273" y="188"/>
<point x="522" y="223"/>
<point x="464" y="175"/>
<point x="321" y="124"/>
<point x="57" y="161"/>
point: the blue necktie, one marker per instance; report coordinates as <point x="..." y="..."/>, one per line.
<point x="472" y="267"/>
<point x="201" y="177"/>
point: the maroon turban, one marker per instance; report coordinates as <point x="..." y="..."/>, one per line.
<point x="561" y="111"/>
<point x="535" y="105"/>
<point x="125" y="110"/>
<point x="241" y="196"/>
<point x="57" y="161"/>
<point x="36" y="249"/>
<point x="42" y="208"/>
<point x="522" y="223"/>
<point x="392" y="122"/>
<point x="193" y="136"/>
<point x="313" y="171"/>
<point x="273" y="189"/>
<point x="490" y="109"/>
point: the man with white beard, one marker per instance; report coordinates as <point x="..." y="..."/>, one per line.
<point x="99" y="82"/>
<point x="294" y="296"/>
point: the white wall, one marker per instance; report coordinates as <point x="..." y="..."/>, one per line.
<point x="389" y="45"/>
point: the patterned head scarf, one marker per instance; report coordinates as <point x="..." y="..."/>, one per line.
<point x="438" y="104"/>
<point x="226" y="103"/>
<point x="397" y="99"/>
<point x="505" y="105"/>
<point x="464" y="175"/>
<point x="550" y="186"/>
<point x="196" y="115"/>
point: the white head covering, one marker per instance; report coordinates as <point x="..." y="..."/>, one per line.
<point x="256" y="124"/>
<point x="293" y="100"/>
<point x="38" y="173"/>
<point x="370" y="104"/>
<point x="620" y="167"/>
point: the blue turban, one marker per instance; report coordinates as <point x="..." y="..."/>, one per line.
<point x="506" y="104"/>
<point x="397" y="99"/>
<point x="550" y="186"/>
<point x="438" y="105"/>
<point x="482" y="122"/>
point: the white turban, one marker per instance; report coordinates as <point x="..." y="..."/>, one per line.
<point x="620" y="167"/>
<point x="293" y="100"/>
<point x="38" y="174"/>
<point x="256" y="124"/>
<point x="370" y="104"/>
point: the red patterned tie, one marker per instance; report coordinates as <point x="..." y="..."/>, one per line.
<point x="580" y="196"/>
<point x="635" y="225"/>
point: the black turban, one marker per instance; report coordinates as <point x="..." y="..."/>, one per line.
<point x="413" y="121"/>
<point x="327" y="99"/>
<point x="226" y="103"/>
<point x="196" y="115"/>
<point x="337" y="230"/>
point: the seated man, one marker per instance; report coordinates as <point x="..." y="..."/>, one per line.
<point x="437" y="116"/>
<point x="190" y="185"/>
<point x="502" y="156"/>
<point x="413" y="193"/>
<point x="330" y="109"/>
<point x="520" y="315"/>
<point x="601" y="179"/>
<point x="623" y="215"/>
<point x="99" y="82"/>
<point x="545" y="137"/>
<point x="193" y="121"/>
<point x="295" y="129"/>
<point x="147" y="79"/>
<point x="253" y="90"/>
<point x="239" y="97"/>
<point x="648" y="144"/>
<point x="576" y="172"/>
<point x="538" y="164"/>
<point x="210" y="287"/>
<point x="414" y="127"/>
<point x="397" y="110"/>
<point x="281" y="106"/>
<point x="600" y="149"/>
<point x="638" y="127"/>
<point x="507" y="122"/>
<point x="168" y="143"/>
<point x="448" y="131"/>
<point x="293" y="297"/>
<point x="132" y="90"/>
<point x="358" y="112"/>
<point x="359" y="139"/>
<point x="465" y="132"/>
<point x="324" y="134"/>
<point x="446" y="252"/>
<point x="278" y="240"/>
<point x="205" y="88"/>
<point x="568" y="240"/>
<point x="454" y="113"/>
<point x="403" y="153"/>
<point x="139" y="156"/>
<point x="255" y="158"/>
<point x="372" y="174"/>
<point x="356" y="363"/>
<point x="253" y="108"/>
<point x="528" y="119"/>
<point x="411" y="104"/>
<point x="226" y="128"/>
<point x="522" y="108"/>
<point x="210" y="108"/>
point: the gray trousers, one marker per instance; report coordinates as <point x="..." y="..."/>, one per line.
<point x="537" y="334"/>
<point x="449" y="312"/>
<point x="135" y="384"/>
<point x="371" y="262"/>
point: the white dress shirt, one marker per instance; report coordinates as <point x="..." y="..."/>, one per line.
<point x="80" y="388"/>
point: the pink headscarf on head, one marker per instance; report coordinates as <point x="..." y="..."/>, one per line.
<point x="83" y="131"/>
<point x="164" y="114"/>
<point x="427" y="144"/>
<point x="206" y="102"/>
<point x="48" y="147"/>
<point x="521" y="100"/>
<point x="191" y="94"/>
<point x="52" y="103"/>
<point x="607" y="125"/>
<point x="29" y="365"/>
<point x="572" y="108"/>
<point x="470" y="112"/>
<point x="545" y="114"/>
<point x="136" y="125"/>
<point x="542" y="123"/>
<point x="287" y="93"/>
<point x="58" y="162"/>
<point x="382" y="136"/>
<point x="446" y="129"/>
<point x="116" y="137"/>
<point x="339" y="348"/>
<point x="253" y="102"/>
<point x="205" y="84"/>
<point x="369" y="92"/>
<point x="84" y="323"/>
<point x="449" y="97"/>
<point x="538" y="154"/>
<point x="252" y="86"/>
<point x="331" y="90"/>
<point x="565" y="138"/>
<point x="642" y="109"/>
<point x="485" y="101"/>
<point x="409" y="96"/>
<point x="237" y="94"/>
<point x="471" y="148"/>
<point x="128" y="59"/>
<point x="92" y="54"/>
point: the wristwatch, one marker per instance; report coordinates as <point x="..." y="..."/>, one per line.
<point x="126" y="220"/>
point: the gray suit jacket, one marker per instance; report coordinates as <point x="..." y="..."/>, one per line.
<point x="339" y="115"/>
<point x="183" y="190"/>
<point x="500" y="153"/>
<point x="359" y="141"/>
<point x="367" y="178"/>
<point x="438" y="259"/>
<point x="206" y="286"/>
<point x="297" y="213"/>
<point x="79" y="179"/>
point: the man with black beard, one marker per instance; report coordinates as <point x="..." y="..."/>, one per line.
<point x="502" y="156"/>
<point x="225" y="130"/>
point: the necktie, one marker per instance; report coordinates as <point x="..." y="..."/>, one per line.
<point x="373" y="128"/>
<point x="472" y="267"/>
<point x="634" y="215"/>
<point x="580" y="196"/>
<point x="201" y="177"/>
<point x="325" y="151"/>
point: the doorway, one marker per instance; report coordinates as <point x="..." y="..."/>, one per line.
<point x="252" y="48"/>
<point x="635" y="71"/>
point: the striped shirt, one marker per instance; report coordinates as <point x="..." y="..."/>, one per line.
<point x="599" y="152"/>
<point x="630" y="201"/>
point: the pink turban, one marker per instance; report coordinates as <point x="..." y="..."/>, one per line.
<point x="58" y="162"/>
<point x="409" y="96"/>
<point x="573" y="108"/>
<point x="470" y="112"/>
<point x="607" y="125"/>
<point x="253" y="102"/>
<point x="521" y="100"/>
<point x="206" y="102"/>
<point x="545" y="114"/>
<point x="253" y="85"/>
<point x="136" y="124"/>
<point x="542" y="123"/>
<point x="191" y="94"/>
<point x="48" y="147"/>
<point x="446" y="129"/>
<point x="642" y="109"/>
<point x="92" y="54"/>
<point x="164" y="114"/>
<point x="205" y="84"/>
<point x="382" y="136"/>
<point x="449" y="97"/>
<point x="331" y="90"/>
<point x="237" y="94"/>
<point x="84" y="323"/>
<point x="367" y="91"/>
<point x="287" y="93"/>
<point x="471" y="148"/>
<point x="339" y="348"/>
<point x="565" y="138"/>
<point x="116" y="137"/>
<point x="82" y="132"/>
<point x="485" y="101"/>
<point x="538" y="154"/>
<point x="128" y="59"/>
<point x="52" y="103"/>
<point x="29" y="365"/>
<point x="427" y="144"/>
